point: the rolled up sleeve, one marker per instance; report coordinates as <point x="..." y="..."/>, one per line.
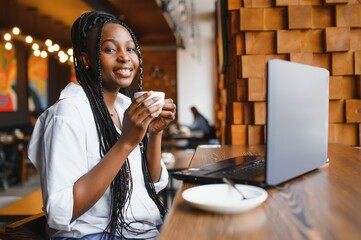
<point x="163" y="181"/>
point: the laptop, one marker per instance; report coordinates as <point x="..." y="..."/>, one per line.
<point x="297" y="131"/>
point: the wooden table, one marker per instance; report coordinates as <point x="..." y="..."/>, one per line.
<point x="184" y="141"/>
<point x="27" y="206"/>
<point x="323" y="204"/>
<point x="182" y="159"/>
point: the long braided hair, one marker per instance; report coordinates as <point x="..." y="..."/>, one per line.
<point x="91" y="81"/>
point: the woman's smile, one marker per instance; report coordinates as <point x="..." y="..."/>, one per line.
<point x="123" y="72"/>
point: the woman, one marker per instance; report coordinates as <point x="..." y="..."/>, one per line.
<point x="97" y="151"/>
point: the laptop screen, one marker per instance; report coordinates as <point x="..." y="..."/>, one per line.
<point x="297" y="119"/>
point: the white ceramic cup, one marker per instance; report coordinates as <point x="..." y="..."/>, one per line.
<point x="154" y="94"/>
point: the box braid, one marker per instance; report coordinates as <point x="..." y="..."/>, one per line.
<point x="122" y="185"/>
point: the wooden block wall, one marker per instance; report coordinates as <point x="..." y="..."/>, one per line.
<point x="323" y="33"/>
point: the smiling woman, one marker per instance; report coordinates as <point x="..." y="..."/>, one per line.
<point x="99" y="151"/>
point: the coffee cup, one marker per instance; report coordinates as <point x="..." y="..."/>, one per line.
<point x="154" y="94"/>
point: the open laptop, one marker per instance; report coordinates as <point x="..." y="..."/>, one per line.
<point x="297" y="131"/>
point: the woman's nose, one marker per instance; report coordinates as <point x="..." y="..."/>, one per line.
<point x="123" y="56"/>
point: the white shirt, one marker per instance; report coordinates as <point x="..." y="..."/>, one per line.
<point x="64" y="146"/>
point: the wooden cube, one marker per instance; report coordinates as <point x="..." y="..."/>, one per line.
<point x="234" y="4"/>
<point x="337" y="39"/>
<point x="348" y="15"/>
<point x="248" y="108"/>
<point x="311" y="2"/>
<point x="251" y="19"/>
<point x="256" y="134"/>
<point x="275" y="18"/>
<point x="359" y="134"/>
<point x="247" y="3"/>
<point x="299" y="17"/>
<point x="262" y="3"/>
<point x="322" y="16"/>
<point x="253" y="66"/>
<point x="353" y="111"/>
<point x="259" y="113"/>
<point x="335" y="1"/>
<point x="343" y="133"/>
<point x="287" y="2"/>
<point x="257" y="89"/>
<point x="302" y="57"/>
<point x="234" y="21"/>
<point x="335" y="87"/>
<point x="355" y="39"/>
<point x="276" y="56"/>
<point x="238" y="134"/>
<point x="312" y="41"/>
<point x="358" y="87"/>
<point x="349" y="87"/>
<point x="289" y="41"/>
<point x="322" y="60"/>
<point x="237" y="112"/>
<point x="260" y="42"/>
<point x="357" y="56"/>
<point x="318" y="60"/>
<point x="239" y="66"/>
<point x="342" y="63"/>
<point x="240" y="39"/>
<point x="241" y="90"/>
<point x="336" y="111"/>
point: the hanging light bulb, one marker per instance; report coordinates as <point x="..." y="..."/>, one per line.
<point x="28" y="39"/>
<point x="37" y="52"/>
<point x="70" y="51"/>
<point x="16" y="30"/>
<point x="50" y="49"/>
<point x="7" y="36"/>
<point x="48" y="43"/>
<point x="35" y="46"/>
<point x="8" y="46"/>
<point x="56" y="47"/>
<point x="64" y="58"/>
<point x="43" y="54"/>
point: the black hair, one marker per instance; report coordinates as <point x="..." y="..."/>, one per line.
<point x="91" y="81"/>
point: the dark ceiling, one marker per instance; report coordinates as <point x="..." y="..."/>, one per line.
<point x="53" y="18"/>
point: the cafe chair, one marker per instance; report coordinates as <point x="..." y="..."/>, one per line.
<point x="3" y="175"/>
<point x="10" y="165"/>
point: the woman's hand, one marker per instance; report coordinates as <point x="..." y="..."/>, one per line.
<point x="138" y="117"/>
<point x="166" y="116"/>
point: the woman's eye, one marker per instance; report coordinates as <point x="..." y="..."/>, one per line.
<point x="131" y="50"/>
<point x="109" y="50"/>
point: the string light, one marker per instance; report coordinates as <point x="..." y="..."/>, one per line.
<point x="35" y="46"/>
<point x="40" y="48"/>
<point x="16" y="30"/>
<point x="8" y="46"/>
<point x="28" y="39"/>
<point x="7" y="37"/>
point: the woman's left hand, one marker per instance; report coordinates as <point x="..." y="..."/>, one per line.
<point x="166" y="116"/>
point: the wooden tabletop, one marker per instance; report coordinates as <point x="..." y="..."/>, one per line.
<point x="182" y="159"/>
<point x="323" y="204"/>
<point x="29" y="205"/>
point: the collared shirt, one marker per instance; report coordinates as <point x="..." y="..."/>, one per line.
<point x="64" y="146"/>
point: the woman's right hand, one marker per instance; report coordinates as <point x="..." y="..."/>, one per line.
<point x="138" y="117"/>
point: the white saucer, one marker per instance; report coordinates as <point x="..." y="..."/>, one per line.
<point x="221" y="198"/>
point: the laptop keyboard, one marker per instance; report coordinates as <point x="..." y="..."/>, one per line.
<point x="250" y="170"/>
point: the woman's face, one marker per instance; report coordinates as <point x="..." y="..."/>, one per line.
<point x="118" y="56"/>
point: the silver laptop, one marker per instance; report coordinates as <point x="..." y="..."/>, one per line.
<point x="297" y="131"/>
